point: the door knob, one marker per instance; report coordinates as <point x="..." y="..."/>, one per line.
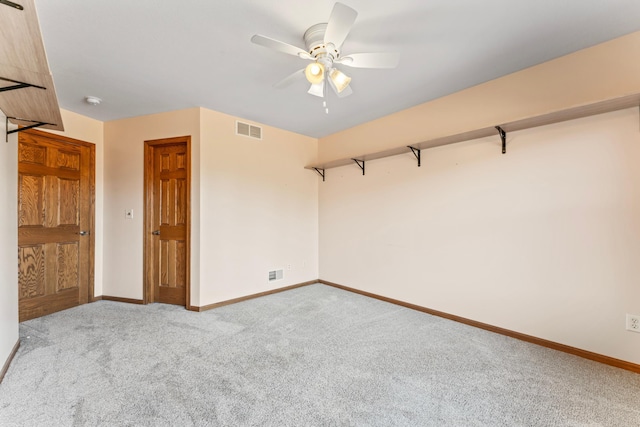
<point x="83" y="233"/>
<point x="156" y="232"/>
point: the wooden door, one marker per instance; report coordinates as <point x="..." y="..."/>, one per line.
<point x="55" y="223"/>
<point x="167" y="215"/>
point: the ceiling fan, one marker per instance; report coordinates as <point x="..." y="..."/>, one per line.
<point x="323" y="44"/>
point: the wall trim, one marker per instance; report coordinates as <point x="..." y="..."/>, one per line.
<point x="252" y="296"/>
<point x="618" y="363"/>
<point x="118" y="299"/>
<point x="5" y="368"/>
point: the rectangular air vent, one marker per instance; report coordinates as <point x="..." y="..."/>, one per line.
<point x="275" y="275"/>
<point x="246" y="129"/>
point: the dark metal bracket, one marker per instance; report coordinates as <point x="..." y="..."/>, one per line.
<point x="320" y="172"/>
<point x="360" y="164"/>
<point x="11" y="4"/>
<point x="18" y="84"/>
<point x="20" y="129"/>
<point x="416" y="152"/>
<point x="503" y="136"/>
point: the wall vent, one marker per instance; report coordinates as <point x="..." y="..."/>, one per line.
<point x="275" y="275"/>
<point x="246" y="129"/>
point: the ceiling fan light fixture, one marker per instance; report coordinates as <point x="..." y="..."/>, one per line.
<point x="323" y="47"/>
<point x="339" y="79"/>
<point x="314" y="73"/>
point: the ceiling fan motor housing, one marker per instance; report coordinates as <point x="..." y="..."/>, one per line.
<point x="314" y="42"/>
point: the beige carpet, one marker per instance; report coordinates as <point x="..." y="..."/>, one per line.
<point x="313" y="356"/>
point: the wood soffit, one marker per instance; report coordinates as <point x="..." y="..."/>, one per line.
<point x="23" y="61"/>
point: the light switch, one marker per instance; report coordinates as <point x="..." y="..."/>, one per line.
<point x="128" y="214"/>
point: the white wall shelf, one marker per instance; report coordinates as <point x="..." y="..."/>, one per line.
<point x="531" y="122"/>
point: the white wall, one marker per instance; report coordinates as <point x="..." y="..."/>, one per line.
<point x="259" y="209"/>
<point x="9" y="243"/>
<point x="544" y="240"/>
<point x="254" y="206"/>
<point x="124" y="189"/>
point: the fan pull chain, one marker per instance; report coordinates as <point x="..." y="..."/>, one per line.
<point x="326" y="93"/>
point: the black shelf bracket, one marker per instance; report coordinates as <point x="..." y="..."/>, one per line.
<point x="320" y="172"/>
<point x="416" y="152"/>
<point x="503" y="136"/>
<point x="20" y="129"/>
<point x="17" y="85"/>
<point x="360" y="164"/>
<point x="11" y="4"/>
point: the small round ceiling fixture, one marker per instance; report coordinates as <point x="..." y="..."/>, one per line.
<point x="92" y="100"/>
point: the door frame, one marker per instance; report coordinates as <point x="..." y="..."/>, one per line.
<point x="149" y="242"/>
<point x="92" y="198"/>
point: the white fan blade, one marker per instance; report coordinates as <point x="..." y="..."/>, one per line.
<point x="279" y="46"/>
<point x="340" y="23"/>
<point x="289" y="79"/>
<point x="317" y="89"/>
<point x="370" y="60"/>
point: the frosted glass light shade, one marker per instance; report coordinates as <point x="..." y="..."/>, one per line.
<point x="317" y="89"/>
<point x="339" y="79"/>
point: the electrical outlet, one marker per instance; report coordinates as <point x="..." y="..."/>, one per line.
<point x="289" y="267"/>
<point x="128" y="214"/>
<point x="633" y="323"/>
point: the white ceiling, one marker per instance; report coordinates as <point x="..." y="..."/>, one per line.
<point x="149" y="56"/>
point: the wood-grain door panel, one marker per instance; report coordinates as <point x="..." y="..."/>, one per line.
<point x="55" y="204"/>
<point x="167" y="215"/>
